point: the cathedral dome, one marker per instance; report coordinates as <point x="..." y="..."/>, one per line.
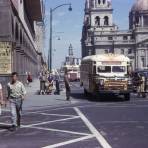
<point x="140" y="5"/>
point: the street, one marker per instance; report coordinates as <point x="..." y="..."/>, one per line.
<point x="79" y="123"/>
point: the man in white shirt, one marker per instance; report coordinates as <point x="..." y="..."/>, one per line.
<point x="16" y="95"/>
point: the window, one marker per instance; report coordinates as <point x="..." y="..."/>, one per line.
<point x="106" y="21"/>
<point x="104" y="69"/>
<point x="94" y="69"/>
<point x="12" y="22"/>
<point x="105" y="51"/>
<point x="143" y="62"/>
<point x="21" y="37"/>
<point x="130" y="51"/>
<point x="97" y="21"/>
<point x="110" y="38"/>
<point x="145" y="20"/>
<point x="118" y="69"/>
<point x="104" y="1"/>
<point x="16" y="31"/>
<point x="99" y="2"/>
<point x="125" y="38"/>
<point x="122" y="51"/>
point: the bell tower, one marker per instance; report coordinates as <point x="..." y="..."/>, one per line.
<point x="100" y="13"/>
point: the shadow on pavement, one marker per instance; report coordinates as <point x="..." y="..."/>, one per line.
<point x="5" y="127"/>
<point x="102" y="98"/>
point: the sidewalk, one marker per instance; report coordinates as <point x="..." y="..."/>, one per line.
<point x="35" y="101"/>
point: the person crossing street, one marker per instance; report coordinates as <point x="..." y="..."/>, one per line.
<point x="16" y="95"/>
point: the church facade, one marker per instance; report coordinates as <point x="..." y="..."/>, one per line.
<point x="101" y="35"/>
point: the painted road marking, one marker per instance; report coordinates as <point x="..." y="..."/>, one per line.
<point x="58" y="115"/>
<point x="98" y="136"/>
<point x="69" y="142"/>
<point x="62" y="131"/>
<point x="41" y="123"/>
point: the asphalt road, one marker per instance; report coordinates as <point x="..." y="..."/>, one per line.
<point x="81" y="123"/>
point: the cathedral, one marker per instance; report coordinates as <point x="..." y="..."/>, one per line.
<point x="101" y="35"/>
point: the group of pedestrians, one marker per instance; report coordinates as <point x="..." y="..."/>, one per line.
<point x="140" y="84"/>
<point x="48" y="81"/>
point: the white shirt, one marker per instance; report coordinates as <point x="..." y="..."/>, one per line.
<point x="16" y="90"/>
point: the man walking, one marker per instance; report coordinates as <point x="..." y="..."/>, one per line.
<point x="67" y="85"/>
<point x="16" y="95"/>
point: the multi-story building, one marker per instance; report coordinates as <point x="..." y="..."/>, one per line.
<point x="18" y="45"/>
<point x="101" y="35"/>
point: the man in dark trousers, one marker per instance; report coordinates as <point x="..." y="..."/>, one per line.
<point x="67" y="85"/>
<point x="16" y="95"/>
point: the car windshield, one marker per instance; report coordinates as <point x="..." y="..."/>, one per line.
<point x="118" y="69"/>
<point x="104" y="69"/>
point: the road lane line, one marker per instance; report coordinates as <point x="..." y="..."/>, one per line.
<point x="56" y="115"/>
<point x="69" y="142"/>
<point x="41" y="123"/>
<point x="98" y="136"/>
<point x="62" y="131"/>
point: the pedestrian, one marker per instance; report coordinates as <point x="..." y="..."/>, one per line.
<point x="42" y="79"/>
<point x="29" y="78"/>
<point x="50" y="81"/>
<point x="143" y="86"/>
<point x="16" y="95"/>
<point x="1" y="99"/>
<point x="67" y="85"/>
<point x="57" y="84"/>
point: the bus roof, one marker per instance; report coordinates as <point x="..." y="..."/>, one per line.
<point x="106" y="57"/>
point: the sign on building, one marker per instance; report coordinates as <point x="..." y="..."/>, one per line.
<point x="5" y="57"/>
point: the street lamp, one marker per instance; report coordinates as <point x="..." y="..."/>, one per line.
<point x="50" y="40"/>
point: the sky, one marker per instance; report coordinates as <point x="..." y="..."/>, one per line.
<point x="68" y="25"/>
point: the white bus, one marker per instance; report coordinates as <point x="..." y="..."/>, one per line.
<point x="73" y="72"/>
<point x="107" y="73"/>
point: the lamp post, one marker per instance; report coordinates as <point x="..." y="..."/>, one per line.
<point x="50" y="39"/>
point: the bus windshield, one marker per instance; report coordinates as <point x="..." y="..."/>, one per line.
<point x="104" y="69"/>
<point x="118" y="69"/>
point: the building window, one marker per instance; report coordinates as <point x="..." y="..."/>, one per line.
<point x="106" y="21"/>
<point x="97" y="21"/>
<point x="21" y="1"/>
<point x="104" y="1"/>
<point x="16" y="32"/>
<point x="105" y="51"/>
<point x="125" y="37"/>
<point x="21" y="37"/>
<point x="142" y="52"/>
<point x="145" y="18"/>
<point x="122" y="51"/>
<point x="130" y="51"/>
<point x="110" y="38"/>
<point x="12" y="22"/>
<point x="143" y="62"/>
<point x="99" y="2"/>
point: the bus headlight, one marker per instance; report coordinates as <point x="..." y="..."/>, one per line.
<point x="101" y="82"/>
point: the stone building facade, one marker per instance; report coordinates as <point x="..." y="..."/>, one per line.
<point x="101" y="35"/>
<point x="17" y="31"/>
